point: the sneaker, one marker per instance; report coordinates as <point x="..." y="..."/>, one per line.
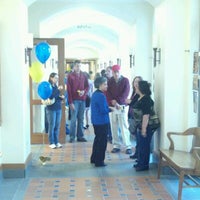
<point x="128" y="151"/>
<point x="58" y="145"/>
<point x="52" y="146"/>
<point x="115" y="150"/>
<point x="81" y="140"/>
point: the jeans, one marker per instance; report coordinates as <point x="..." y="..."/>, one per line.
<point x="54" y="120"/>
<point x="77" y="114"/>
<point x="143" y="148"/>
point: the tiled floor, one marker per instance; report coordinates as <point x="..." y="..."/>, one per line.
<point x="70" y="176"/>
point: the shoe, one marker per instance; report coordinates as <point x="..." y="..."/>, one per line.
<point x="128" y="151"/>
<point x="52" y="146"/>
<point x="135" y="165"/>
<point x="71" y="140"/>
<point x="81" y="140"/>
<point x="115" y="150"/>
<point x="100" y="165"/>
<point x="134" y="156"/>
<point x="145" y="168"/>
<point x="58" y="145"/>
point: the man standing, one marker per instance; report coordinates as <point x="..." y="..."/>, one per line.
<point x="77" y="88"/>
<point x="117" y="93"/>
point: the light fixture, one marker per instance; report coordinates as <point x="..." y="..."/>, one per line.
<point x="28" y="56"/>
<point x="28" y="49"/>
<point x="119" y="61"/>
<point x="132" y="60"/>
<point x="156" y="56"/>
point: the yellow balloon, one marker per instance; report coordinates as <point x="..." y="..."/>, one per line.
<point x="36" y="72"/>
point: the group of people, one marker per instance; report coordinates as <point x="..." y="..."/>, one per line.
<point x="113" y="116"/>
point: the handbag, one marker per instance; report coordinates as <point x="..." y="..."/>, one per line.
<point x="154" y="121"/>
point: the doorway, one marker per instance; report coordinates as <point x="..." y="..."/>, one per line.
<point x="55" y="63"/>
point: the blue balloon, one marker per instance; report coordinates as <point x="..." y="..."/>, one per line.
<point x="42" y="52"/>
<point x="44" y="90"/>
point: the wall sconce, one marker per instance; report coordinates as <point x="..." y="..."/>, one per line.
<point x="28" y="56"/>
<point x="119" y="61"/>
<point x="28" y="49"/>
<point x="156" y="56"/>
<point x="132" y="60"/>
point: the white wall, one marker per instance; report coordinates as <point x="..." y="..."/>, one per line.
<point x="15" y="127"/>
<point x="175" y="22"/>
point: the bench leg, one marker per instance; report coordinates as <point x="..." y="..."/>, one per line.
<point x="159" y="166"/>
<point x="180" y="187"/>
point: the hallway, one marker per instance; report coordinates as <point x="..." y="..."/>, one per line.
<point x="69" y="175"/>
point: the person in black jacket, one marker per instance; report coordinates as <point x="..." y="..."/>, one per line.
<point x="141" y="111"/>
<point x="54" y="112"/>
<point x="132" y="123"/>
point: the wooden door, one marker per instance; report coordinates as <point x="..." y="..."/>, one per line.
<point x="55" y="63"/>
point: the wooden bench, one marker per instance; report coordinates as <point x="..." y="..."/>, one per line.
<point x="183" y="163"/>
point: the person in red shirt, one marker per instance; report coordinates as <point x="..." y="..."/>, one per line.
<point x="117" y="93"/>
<point x="77" y="88"/>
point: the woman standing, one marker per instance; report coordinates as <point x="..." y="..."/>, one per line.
<point x="54" y="112"/>
<point x="132" y="122"/>
<point x="100" y="120"/>
<point x="142" y="110"/>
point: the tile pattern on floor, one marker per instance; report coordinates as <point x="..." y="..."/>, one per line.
<point x="75" y="152"/>
<point x="97" y="188"/>
<point x="69" y="175"/>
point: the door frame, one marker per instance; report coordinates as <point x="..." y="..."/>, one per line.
<point x="40" y="138"/>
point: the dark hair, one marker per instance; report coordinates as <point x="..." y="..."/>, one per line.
<point x="77" y="62"/>
<point x="139" y="77"/>
<point x="103" y="72"/>
<point x="99" y="80"/>
<point x="52" y="75"/>
<point x="144" y="87"/>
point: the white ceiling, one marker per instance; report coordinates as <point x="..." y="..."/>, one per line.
<point x="97" y="27"/>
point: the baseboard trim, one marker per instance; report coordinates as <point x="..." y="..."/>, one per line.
<point x="15" y="170"/>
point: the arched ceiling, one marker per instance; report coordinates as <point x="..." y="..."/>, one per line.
<point x="99" y="27"/>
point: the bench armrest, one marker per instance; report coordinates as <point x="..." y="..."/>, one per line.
<point x="190" y="131"/>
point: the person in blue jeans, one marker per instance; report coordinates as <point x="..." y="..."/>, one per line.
<point x="77" y="88"/>
<point x="141" y="111"/>
<point x="54" y="112"/>
<point x="100" y="120"/>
